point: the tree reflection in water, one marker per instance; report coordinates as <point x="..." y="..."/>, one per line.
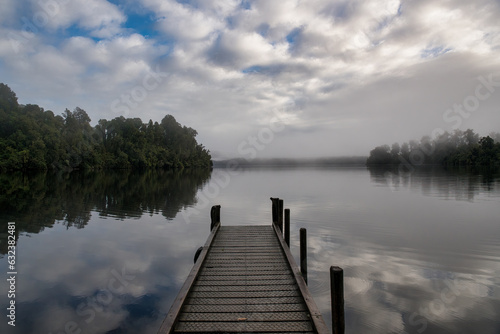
<point x="36" y="201"/>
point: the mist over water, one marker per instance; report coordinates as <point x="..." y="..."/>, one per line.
<point x="419" y="250"/>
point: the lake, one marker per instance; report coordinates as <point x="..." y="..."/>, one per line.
<point x="107" y="252"/>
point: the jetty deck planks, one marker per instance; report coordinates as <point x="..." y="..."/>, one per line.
<point x="244" y="281"/>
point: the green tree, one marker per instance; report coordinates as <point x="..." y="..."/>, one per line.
<point x="8" y="99"/>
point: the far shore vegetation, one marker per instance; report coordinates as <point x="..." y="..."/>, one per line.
<point x="32" y="138"/>
<point x="455" y="149"/>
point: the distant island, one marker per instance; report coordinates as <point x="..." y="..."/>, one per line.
<point x="32" y="138"/>
<point x="459" y="148"/>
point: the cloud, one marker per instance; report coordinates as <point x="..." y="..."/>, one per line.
<point x="353" y="67"/>
<point x="100" y="18"/>
<point x="83" y="287"/>
<point x="107" y="55"/>
<point x="185" y="22"/>
<point x="8" y="12"/>
<point x="239" y="50"/>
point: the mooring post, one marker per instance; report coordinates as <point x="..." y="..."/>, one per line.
<point x="280" y="215"/>
<point x="303" y="253"/>
<point x="287" y="227"/>
<point x="337" y="295"/>
<point x="214" y="216"/>
<point x="275" y="209"/>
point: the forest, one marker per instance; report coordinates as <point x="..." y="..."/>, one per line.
<point x="459" y="148"/>
<point x="32" y="138"/>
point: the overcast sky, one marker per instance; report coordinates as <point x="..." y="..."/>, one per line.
<point x="263" y="78"/>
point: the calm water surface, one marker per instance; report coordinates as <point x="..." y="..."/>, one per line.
<point x="108" y="252"/>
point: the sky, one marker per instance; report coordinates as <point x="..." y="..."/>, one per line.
<point x="263" y="78"/>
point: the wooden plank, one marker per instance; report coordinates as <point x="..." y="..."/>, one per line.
<point x="208" y="281"/>
<point x="246" y="287"/>
<point x="247" y="316"/>
<point x="221" y="270"/>
<point x="244" y="250"/>
<point x="244" y="294"/>
<point x="243" y="301"/>
<point x="249" y="273"/>
<point x="269" y="308"/>
<point x="244" y="326"/>
<point x="244" y="262"/>
<point x="263" y="257"/>
<point x="238" y="266"/>
<point x="260" y="277"/>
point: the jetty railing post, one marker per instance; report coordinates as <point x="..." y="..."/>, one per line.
<point x="337" y="295"/>
<point x="280" y="215"/>
<point x="214" y="216"/>
<point x="287" y="227"/>
<point x="275" y="209"/>
<point x="303" y="253"/>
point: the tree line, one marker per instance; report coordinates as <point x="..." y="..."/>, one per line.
<point x="34" y="138"/>
<point x="458" y="148"/>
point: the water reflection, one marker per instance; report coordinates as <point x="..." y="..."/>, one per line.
<point x="412" y="264"/>
<point x="96" y="268"/>
<point x="420" y="251"/>
<point x="390" y="290"/>
<point x="450" y="183"/>
<point x="36" y="201"/>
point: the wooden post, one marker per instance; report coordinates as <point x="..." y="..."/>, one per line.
<point x="337" y="294"/>
<point x="275" y="209"/>
<point x="287" y="227"/>
<point x="214" y="216"/>
<point x="303" y="253"/>
<point x="280" y="215"/>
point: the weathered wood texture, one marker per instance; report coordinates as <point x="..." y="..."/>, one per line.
<point x="246" y="283"/>
<point x="337" y="299"/>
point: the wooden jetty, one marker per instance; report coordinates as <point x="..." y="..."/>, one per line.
<point x="245" y="280"/>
